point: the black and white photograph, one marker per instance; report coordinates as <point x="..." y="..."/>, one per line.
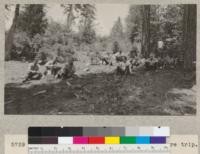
<point x="100" y="59"/>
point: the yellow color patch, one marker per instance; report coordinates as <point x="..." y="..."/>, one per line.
<point x="112" y="140"/>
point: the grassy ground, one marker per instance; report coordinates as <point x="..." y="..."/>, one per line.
<point x="100" y="92"/>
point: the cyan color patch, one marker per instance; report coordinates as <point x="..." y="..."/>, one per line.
<point x="142" y="140"/>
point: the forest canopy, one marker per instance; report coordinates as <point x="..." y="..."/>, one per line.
<point x="32" y="34"/>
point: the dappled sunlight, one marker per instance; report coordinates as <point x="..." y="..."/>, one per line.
<point x="181" y="101"/>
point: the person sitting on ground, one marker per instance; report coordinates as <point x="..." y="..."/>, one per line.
<point x="33" y="72"/>
<point x="123" y="67"/>
<point x="116" y="47"/>
<point x="105" y="59"/>
<point x="94" y="58"/>
<point x="135" y="63"/>
<point x="133" y="53"/>
<point x="169" y="62"/>
<point x="48" y="67"/>
<point x="67" y="70"/>
<point x="56" y="67"/>
<point x="133" y="59"/>
<point x="120" y="57"/>
<point x="161" y="63"/>
<point x="151" y="62"/>
<point x="52" y="67"/>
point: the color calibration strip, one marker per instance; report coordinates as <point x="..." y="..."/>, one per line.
<point x="99" y="149"/>
<point x="98" y="135"/>
<point x="112" y="140"/>
<point x="98" y="131"/>
<point x="99" y="140"/>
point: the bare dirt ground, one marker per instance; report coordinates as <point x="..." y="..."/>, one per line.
<point x="96" y="90"/>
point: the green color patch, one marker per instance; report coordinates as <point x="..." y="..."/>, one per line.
<point x="127" y="140"/>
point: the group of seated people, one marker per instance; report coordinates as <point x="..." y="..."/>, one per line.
<point x="129" y="64"/>
<point x="52" y="67"/>
<point x="165" y="62"/>
<point x="124" y="65"/>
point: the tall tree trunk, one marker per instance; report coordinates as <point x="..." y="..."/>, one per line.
<point x="9" y="37"/>
<point x="146" y="31"/>
<point x="189" y="36"/>
<point x="70" y="18"/>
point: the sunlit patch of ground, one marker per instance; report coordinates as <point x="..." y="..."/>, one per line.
<point x="181" y="101"/>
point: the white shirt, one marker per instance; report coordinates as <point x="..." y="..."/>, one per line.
<point x="160" y="44"/>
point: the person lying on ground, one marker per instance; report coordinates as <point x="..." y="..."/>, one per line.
<point x="33" y="72"/>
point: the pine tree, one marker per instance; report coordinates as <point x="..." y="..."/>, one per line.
<point x="72" y="11"/>
<point x="190" y="29"/>
<point x="9" y="37"/>
<point x="117" y="30"/>
<point x="32" y="19"/>
<point x="146" y="31"/>
<point x="86" y="26"/>
<point x="134" y="22"/>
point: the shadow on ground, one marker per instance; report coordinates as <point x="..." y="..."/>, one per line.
<point x="164" y="92"/>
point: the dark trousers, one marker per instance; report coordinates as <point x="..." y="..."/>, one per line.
<point x="33" y="76"/>
<point x="120" y="71"/>
<point x="150" y="66"/>
<point x="55" y="70"/>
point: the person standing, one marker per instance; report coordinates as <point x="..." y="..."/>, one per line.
<point x="160" y="47"/>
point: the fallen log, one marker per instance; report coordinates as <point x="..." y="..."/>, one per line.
<point x="40" y="92"/>
<point x="9" y="102"/>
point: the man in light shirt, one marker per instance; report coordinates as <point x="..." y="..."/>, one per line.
<point x="33" y="72"/>
<point x="160" y="48"/>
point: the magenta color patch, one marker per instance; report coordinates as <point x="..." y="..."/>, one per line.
<point x="80" y="140"/>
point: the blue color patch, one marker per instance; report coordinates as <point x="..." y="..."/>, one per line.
<point x="142" y="140"/>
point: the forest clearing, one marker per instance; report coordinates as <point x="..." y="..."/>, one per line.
<point x="142" y="62"/>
